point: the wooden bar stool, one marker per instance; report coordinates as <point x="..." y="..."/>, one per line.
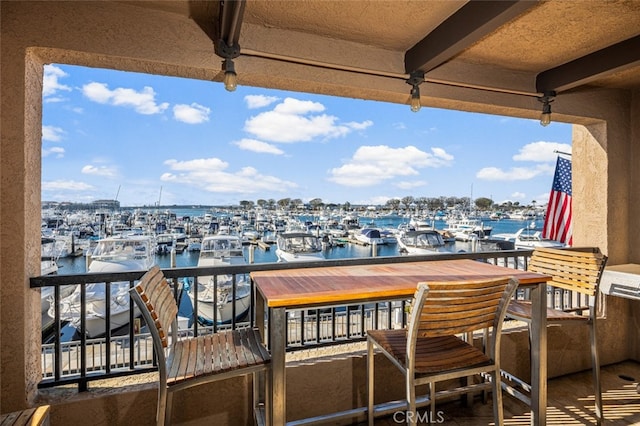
<point x="195" y="360"/>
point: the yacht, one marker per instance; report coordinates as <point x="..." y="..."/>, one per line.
<point x="421" y="242"/>
<point x="370" y="236"/>
<point x="49" y="266"/>
<point x="464" y="229"/>
<point x="298" y="247"/>
<point x="529" y="238"/>
<point x="215" y="294"/>
<point x="114" y="254"/>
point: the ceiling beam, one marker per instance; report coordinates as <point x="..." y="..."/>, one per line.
<point x="609" y="60"/>
<point x="469" y="24"/>
<point x="229" y="25"/>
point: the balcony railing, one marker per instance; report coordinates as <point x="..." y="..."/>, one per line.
<point x="129" y="350"/>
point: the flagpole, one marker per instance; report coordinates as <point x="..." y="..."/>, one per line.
<point x="555" y="151"/>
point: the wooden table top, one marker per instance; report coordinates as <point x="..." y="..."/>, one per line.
<point x="308" y="287"/>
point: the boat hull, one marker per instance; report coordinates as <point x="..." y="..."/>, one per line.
<point x="210" y="310"/>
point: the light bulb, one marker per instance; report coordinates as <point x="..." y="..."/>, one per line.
<point x="415" y="99"/>
<point x="230" y="76"/>
<point x="545" y="119"/>
<point x="230" y="81"/>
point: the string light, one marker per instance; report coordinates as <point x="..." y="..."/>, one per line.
<point x="230" y="76"/>
<point x="546" y="99"/>
<point x="415" y="79"/>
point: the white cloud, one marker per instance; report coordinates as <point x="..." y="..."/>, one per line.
<point x="52" y="133"/>
<point x="399" y="126"/>
<point x="515" y="173"/>
<point x="518" y="195"/>
<point x="142" y="102"/>
<point x="191" y="114"/>
<point x="259" y="101"/>
<point x="69" y="185"/>
<point x="371" y="165"/>
<point x="359" y="126"/>
<point x="294" y="120"/>
<point x="56" y="151"/>
<point x="541" y="151"/>
<point x="50" y="83"/>
<point x="99" y="171"/>
<point x="258" y="146"/>
<point x="210" y="174"/>
<point x="53" y="99"/>
<point x="410" y="185"/>
<point x="296" y="106"/>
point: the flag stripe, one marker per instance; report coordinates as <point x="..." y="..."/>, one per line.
<point x="558" y="220"/>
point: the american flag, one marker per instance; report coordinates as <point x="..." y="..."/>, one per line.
<point x="557" y="223"/>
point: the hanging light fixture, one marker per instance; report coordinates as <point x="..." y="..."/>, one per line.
<point x="228" y="53"/>
<point x="546" y="99"/>
<point x="415" y="79"/>
<point x="230" y="76"/>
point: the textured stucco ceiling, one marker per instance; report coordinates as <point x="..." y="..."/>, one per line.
<point x="349" y="33"/>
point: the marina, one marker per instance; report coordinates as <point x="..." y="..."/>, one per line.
<point x="262" y="249"/>
<point x="259" y="239"/>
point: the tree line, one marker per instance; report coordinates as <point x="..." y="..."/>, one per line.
<point x="408" y="202"/>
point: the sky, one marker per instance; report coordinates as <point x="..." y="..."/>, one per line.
<point x="146" y="140"/>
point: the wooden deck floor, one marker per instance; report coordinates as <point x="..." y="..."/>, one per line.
<point x="570" y="402"/>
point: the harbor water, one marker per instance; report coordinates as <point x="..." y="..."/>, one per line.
<point x="77" y="265"/>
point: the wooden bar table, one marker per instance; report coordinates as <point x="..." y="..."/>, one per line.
<point x="305" y="288"/>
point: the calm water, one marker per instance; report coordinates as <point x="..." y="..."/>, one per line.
<point x="77" y="265"/>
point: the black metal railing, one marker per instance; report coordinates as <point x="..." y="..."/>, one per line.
<point x="126" y="350"/>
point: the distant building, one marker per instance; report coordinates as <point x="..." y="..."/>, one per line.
<point x="106" y="204"/>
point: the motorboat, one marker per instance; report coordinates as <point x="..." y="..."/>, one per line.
<point x="421" y="242"/>
<point x="464" y="229"/>
<point x="48" y="256"/>
<point x="215" y="294"/>
<point x="298" y="247"/>
<point x="165" y="242"/>
<point x="529" y="238"/>
<point x="49" y="266"/>
<point x="114" y="254"/>
<point x="370" y="236"/>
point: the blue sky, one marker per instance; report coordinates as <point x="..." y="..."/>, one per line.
<point x="145" y="138"/>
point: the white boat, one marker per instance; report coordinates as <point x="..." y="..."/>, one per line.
<point x="215" y="296"/>
<point x="194" y="244"/>
<point x="48" y="256"/>
<point x="421" y="242"/>
<point x="370" y="236"/>
<point x="49" y="266"/>
<point x="249" y="234"/>
<point x="464" y="228"/>
<point x="165" y="242"/>
<point x="298" y="247"/>
<point x="115" y="254"/>
<point x="529" y="238"/>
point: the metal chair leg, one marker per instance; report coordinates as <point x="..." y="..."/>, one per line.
<point x="168" y="408"/>
<point x="411" y="413"/>
<point x="595" y="367"/>
<point x="162" y="405"/>
<point x="498" y="412"/>
<point x="370" y="382"/>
